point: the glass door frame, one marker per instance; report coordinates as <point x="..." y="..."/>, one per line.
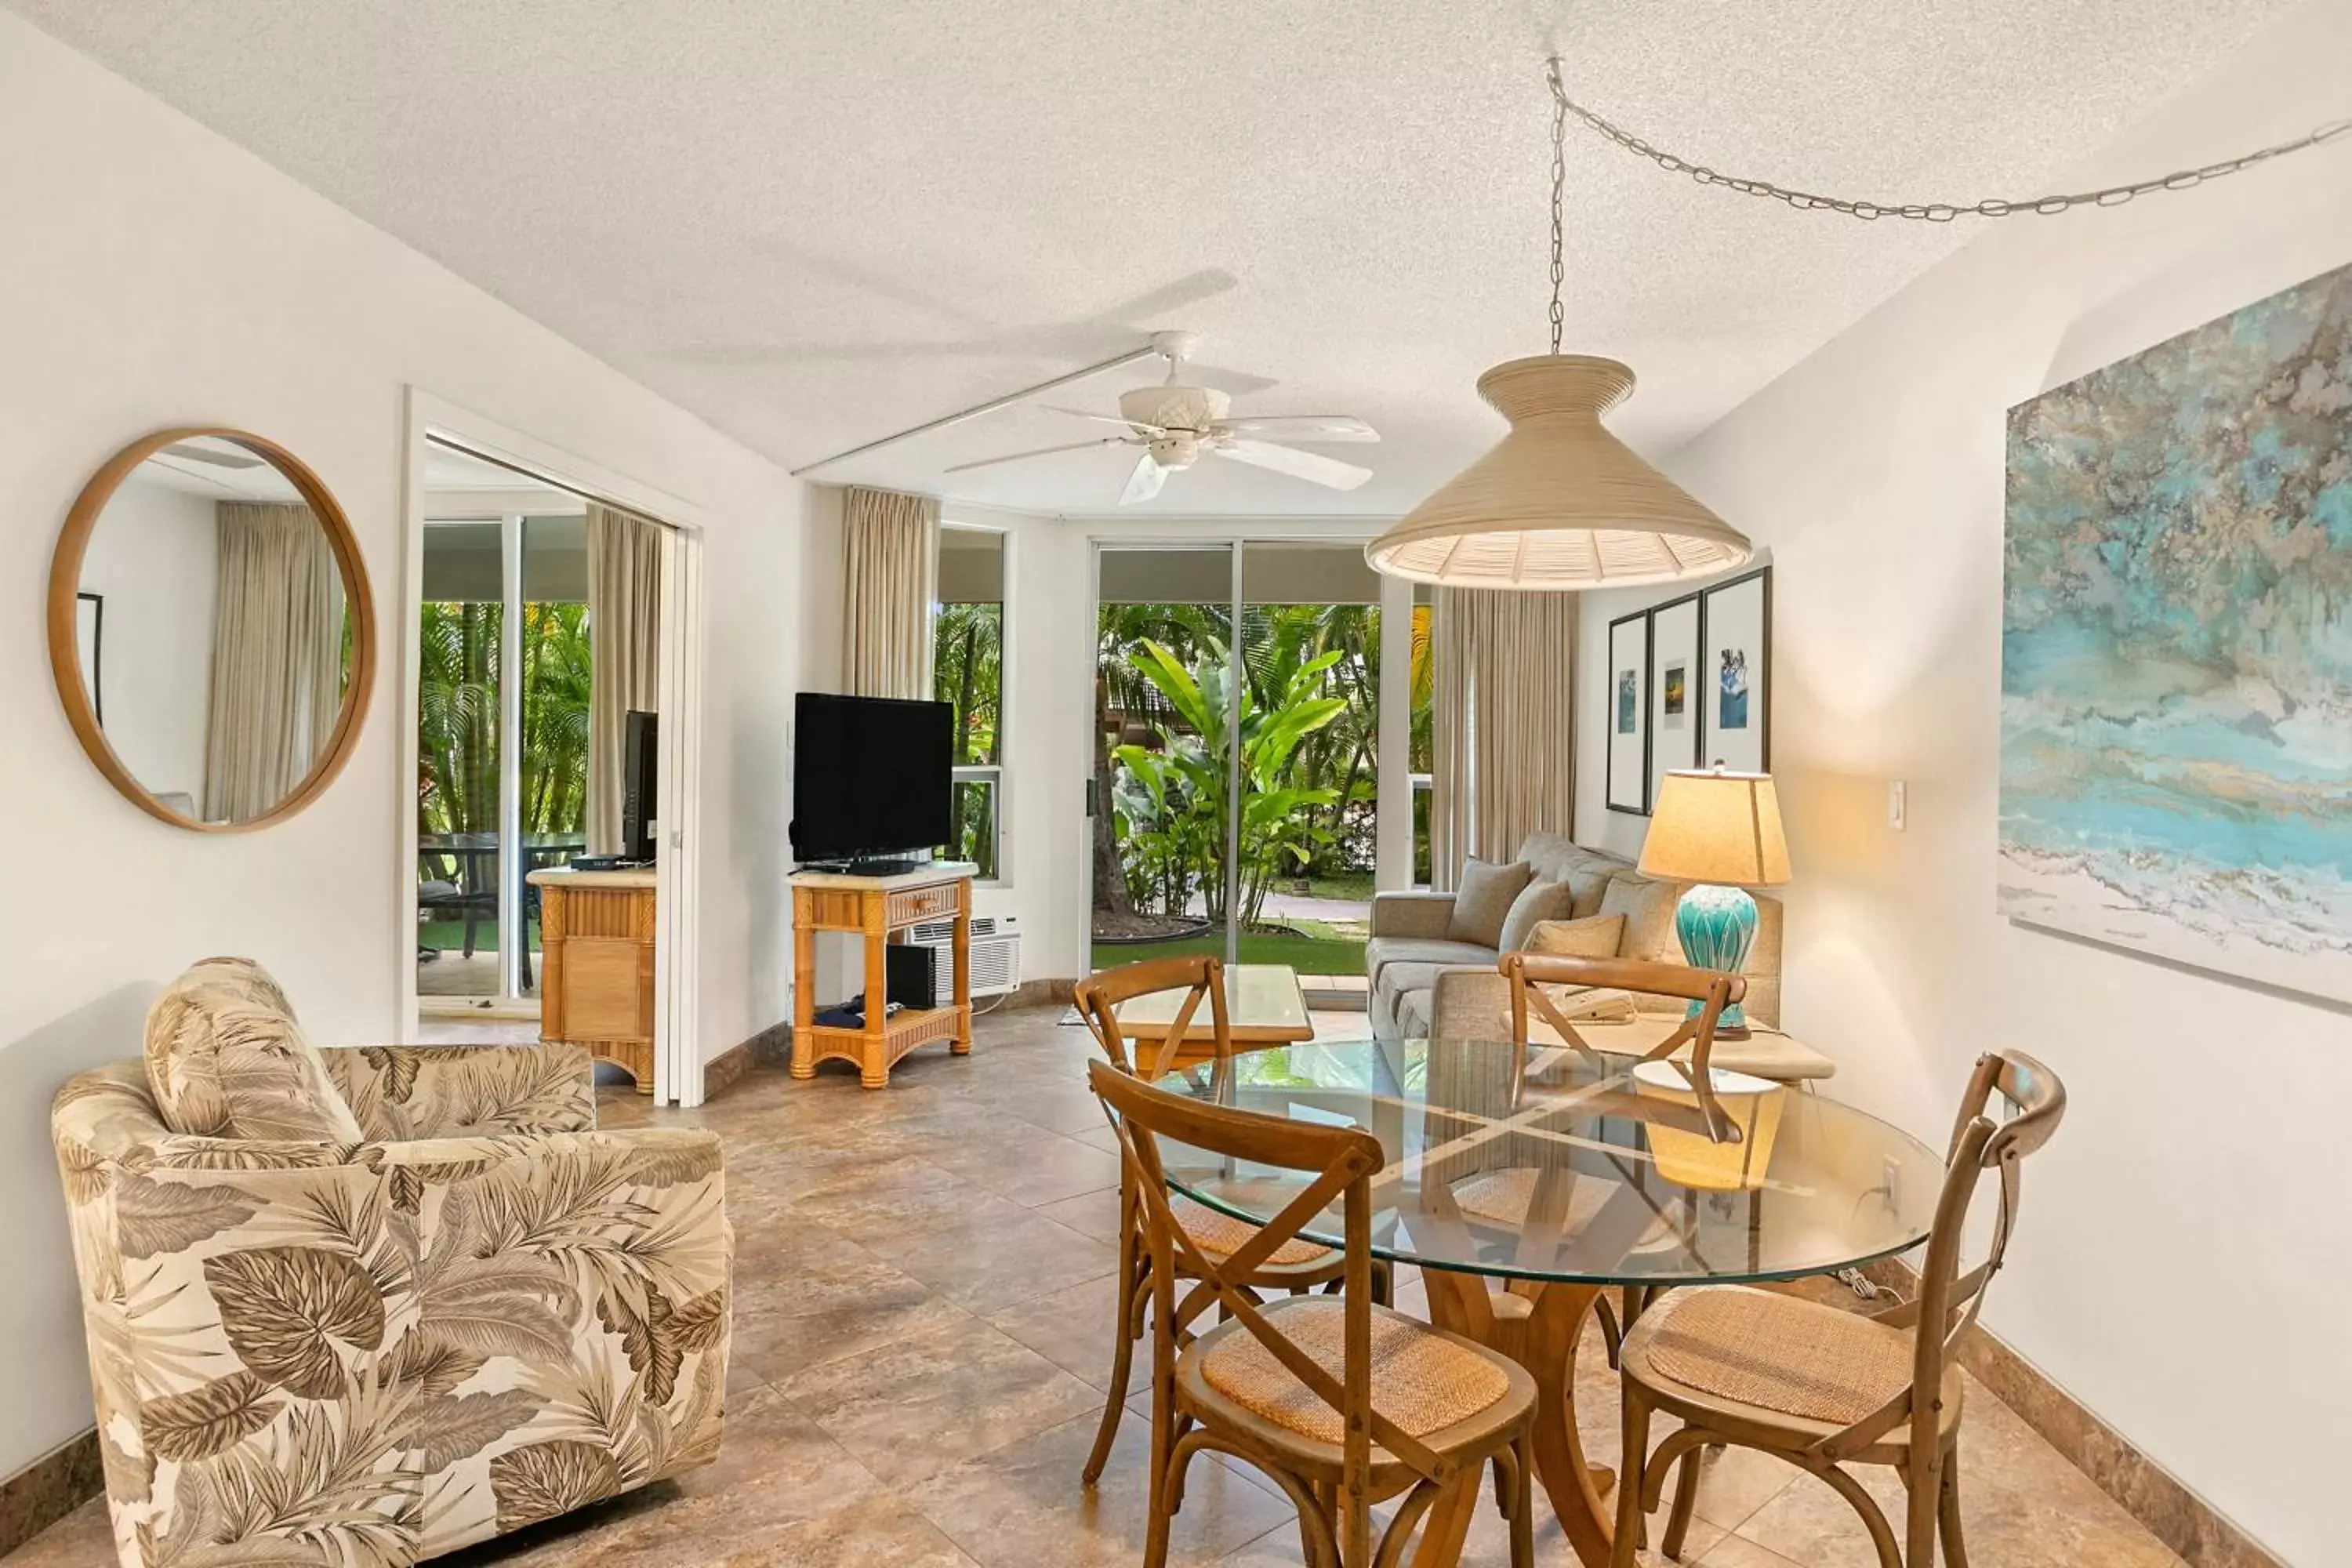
<point x="1394" y="785"/>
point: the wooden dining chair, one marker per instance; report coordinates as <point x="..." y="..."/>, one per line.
<point x="1822" y="1388"/>
<point x="1531" y="974"/>
<point x="1342" y="1402"/>
<point x="1294" y="1267"/>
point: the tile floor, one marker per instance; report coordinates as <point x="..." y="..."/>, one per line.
<point x="922" y="1330"/>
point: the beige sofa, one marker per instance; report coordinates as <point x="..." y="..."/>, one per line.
<point x="1409" y="951"/>
<point x="482" y="1313"/>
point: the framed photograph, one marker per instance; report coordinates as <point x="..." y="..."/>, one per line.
<point x="89" y="632"/>
<point x="1734" y="685"/>
<point x="1629" y="728"/>
<point x="1676" y="684"/>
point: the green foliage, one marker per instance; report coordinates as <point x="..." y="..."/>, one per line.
<point x="458" y="718"/>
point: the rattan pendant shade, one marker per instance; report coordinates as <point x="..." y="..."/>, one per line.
<point x="1558" y="503"/>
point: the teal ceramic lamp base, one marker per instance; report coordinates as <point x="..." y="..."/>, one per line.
<point x="1717" y="926"/>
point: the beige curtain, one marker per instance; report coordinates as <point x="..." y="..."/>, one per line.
<point x="624" y="654"/>
<point x="277" y="675"/>
<point x="891" y="551"/>
<point x="1504" y="723"/>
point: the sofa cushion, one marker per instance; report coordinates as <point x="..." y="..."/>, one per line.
<point x="226" y="1059"/>
<point x="1483" y="899"/>
<point x="1383" y="951"/>
<point x="1538" y="901"/>
<point x="1590" y="887"/>
<point x="1595" y="936"/>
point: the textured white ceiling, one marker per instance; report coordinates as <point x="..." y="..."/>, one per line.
<point x="816" y="223"/>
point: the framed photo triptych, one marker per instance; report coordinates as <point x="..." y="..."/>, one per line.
<point x="1690" y="685"/>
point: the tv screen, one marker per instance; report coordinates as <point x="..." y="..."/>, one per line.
<point x="872" y="777"/>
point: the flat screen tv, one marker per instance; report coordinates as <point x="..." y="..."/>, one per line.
<point x="873" y="779"/>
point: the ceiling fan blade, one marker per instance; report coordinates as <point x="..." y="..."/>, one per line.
<point x="1103" y="419"/>
<point x="1302" y="427"/>
<point x="1145" y="482"/>
<point x="1039" y="452"/>
<point x="1310" y="466"/>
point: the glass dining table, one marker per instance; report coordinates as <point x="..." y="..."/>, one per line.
<point x="1525" y="1191"/>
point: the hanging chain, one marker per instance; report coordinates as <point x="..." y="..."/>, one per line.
<point x="1558" y="195"/>
<point x="1926" y="212"/>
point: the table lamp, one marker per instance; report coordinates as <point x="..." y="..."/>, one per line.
<point x="1721" y="832"/>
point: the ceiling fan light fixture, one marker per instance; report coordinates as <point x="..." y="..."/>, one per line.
<point x="1558" y="503"/>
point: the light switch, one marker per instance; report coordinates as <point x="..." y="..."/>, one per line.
<point x="1895" y="806"/>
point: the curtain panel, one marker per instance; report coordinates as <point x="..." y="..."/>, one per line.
<point x="1503" y="719"/>
<point x="624" y="654"/>
<point x="276" y="676"/>
<point x="891" y="555"/>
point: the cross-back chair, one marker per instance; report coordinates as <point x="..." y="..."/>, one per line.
<point x="1823" y="1388"/>
<point x="1339" y="1400"/>
<point x="1296" y="1267"/>
<point x="1531" y="974"/>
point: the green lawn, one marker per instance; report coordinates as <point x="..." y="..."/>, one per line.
<point x="1307" y="954"/>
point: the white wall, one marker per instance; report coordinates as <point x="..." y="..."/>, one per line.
<point x="156" y="556"/>
<point x="158" y="276"/>
<point x="2183" y="1238"/>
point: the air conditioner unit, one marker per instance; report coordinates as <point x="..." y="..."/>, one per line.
<point x="995" y="955"/>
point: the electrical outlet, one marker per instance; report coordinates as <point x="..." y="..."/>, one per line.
<point x="1895" y="806"/>
<point x="1890" y="1177"/>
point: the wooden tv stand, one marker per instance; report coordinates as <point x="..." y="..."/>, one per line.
<point x="596" y="973"/>
<point x="874" y="907"/>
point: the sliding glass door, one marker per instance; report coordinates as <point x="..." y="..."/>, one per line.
<point x="502" y="744"/>
<point x="1235" y="747"/>
<point x="1164" y="790"/>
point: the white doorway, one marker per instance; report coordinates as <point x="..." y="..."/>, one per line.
<point x="495" y="719"/>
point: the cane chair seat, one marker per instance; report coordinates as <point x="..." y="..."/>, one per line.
<point x="1774" y="1359"/>
<point x="1221" y="1235"/>
<point x="1435" y="1386"/>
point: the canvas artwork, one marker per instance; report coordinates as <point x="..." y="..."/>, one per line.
<point x="2176" y="648"/>
<point x="1678" y="697"/>
<point x="1731" y="690"/>
<point x="1628" y="700"/>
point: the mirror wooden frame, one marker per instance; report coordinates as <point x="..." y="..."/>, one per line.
<point x="65" y="583"/>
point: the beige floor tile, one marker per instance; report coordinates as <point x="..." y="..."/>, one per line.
<point x="911" y="1409"/>
<point x="1023" y="1506"/>
<point x="988" y="1253"/>
<point x="1077" y="1330"/>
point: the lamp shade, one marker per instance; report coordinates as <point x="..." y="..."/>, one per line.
<point x="1558" y="503"/>
<point x="1718" y="826"/>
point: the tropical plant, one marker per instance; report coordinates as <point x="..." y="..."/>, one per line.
<point x="457" y="717"/>
<point x="1188" y="785"/>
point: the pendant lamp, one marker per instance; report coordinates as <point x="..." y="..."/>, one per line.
<point x="1560" y="503"/>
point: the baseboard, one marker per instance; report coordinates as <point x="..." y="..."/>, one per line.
<point x="1041" y="994"/>
<point x="48" y="1488"/>
<point x="721" y="1072"/>
<point x="2145" y="1489"/>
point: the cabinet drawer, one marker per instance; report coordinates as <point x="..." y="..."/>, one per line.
<point x="921" y="904"/>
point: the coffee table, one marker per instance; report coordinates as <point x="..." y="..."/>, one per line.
<point x="1263" y="1007"/>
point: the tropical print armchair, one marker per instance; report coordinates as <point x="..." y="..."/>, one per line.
<point x="483" y="1313"/>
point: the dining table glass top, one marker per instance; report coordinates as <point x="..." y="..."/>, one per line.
<point x="1570" y="1168"/>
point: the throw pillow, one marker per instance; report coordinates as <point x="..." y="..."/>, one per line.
<point x="1595" y="936"/>
<point x="226" y="1059"/>
<point x="1649" y="910"/>
<point x="1536" y="901"/>
<point x="1483" y="899"/>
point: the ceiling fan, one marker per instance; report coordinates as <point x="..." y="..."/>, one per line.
<point x="1174" y="424"/>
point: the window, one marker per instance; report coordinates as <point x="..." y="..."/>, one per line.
<point x="968" y="674"/>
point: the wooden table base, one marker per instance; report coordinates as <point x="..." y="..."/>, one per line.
<point x="1539" y="1325"/>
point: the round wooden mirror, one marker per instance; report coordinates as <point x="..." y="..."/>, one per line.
<point x="210" y="628"/>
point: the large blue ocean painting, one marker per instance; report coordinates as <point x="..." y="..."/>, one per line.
<point x="2176" y="765"/>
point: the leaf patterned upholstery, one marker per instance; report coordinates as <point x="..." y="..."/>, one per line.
<point x="481" y="1312"/>
<point x="226" y="1057"/>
